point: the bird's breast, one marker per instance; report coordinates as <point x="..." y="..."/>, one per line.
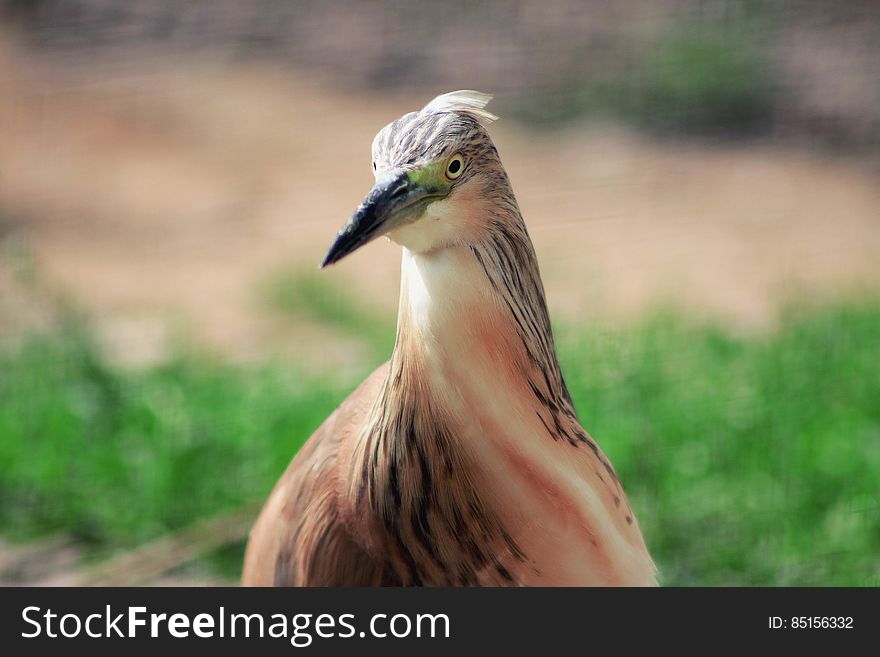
<point x="564" y="510"/>
<point x="568" y="516"/>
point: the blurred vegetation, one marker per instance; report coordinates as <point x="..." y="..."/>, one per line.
<point x="749" y="460"/>
<point x="695" y="81"/>
<point x="702" y="81"/>
<point x="119" y="456"/>
<point x="795" y="68"/>
<point x="304" y="294"/>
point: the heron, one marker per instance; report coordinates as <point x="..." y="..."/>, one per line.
<point x="461" y="461"/>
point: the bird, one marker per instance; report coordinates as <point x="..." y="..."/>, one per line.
<point x="461" y="461"/>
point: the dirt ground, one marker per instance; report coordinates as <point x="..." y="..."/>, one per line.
<point x="161" y="197"/>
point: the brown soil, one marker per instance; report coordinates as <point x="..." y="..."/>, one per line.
<point x="162" y="197"/>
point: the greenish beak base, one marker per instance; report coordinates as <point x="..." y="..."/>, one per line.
<point x="393" y="201"/>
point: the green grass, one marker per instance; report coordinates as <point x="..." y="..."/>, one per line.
<point x="749" y="460"/>
<point x="120" y="456"/>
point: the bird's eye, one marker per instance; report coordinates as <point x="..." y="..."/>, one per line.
<point x="454" y="167"/>
<point x="374" y="166"/>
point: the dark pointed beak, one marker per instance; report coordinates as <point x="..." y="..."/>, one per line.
<point x="391" y="202"/>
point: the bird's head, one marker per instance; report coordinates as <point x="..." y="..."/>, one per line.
<point x="435" y="171"/>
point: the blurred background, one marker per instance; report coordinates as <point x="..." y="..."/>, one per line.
<point x="700" y="177"/>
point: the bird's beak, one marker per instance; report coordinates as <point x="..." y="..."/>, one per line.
<point x="393" y="201"/>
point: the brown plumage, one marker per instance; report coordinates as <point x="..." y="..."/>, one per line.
<point x="461" y="461"/>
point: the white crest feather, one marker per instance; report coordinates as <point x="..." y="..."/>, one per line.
<point x="465" y="101"/>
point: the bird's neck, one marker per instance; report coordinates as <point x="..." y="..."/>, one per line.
<point x="473" y="347"/>
<point x="473" y="326"/>
<point x="474" y="400"/>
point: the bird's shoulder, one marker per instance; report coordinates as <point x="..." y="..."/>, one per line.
<point x="307" y="503"/>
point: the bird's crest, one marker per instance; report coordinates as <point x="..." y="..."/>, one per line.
<point x="466" y="101"/>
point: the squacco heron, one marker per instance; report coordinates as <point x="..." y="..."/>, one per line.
<point x="461" y="461"/>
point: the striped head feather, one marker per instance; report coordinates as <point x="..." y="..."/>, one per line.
<point x="445" y="150"/>
<point x="466" y="101"/>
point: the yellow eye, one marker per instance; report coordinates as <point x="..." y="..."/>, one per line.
<point x="454" y="167"/>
